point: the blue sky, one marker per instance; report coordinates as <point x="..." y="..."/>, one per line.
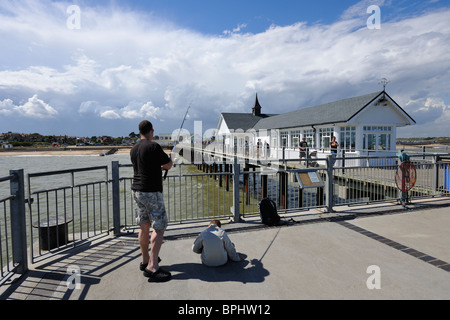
<point x="215" y="16"/>
<point x="130" y="60"/>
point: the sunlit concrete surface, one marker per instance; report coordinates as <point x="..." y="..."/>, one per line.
<point x="315" y="255"/>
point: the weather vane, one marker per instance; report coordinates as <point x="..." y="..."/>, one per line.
<point x="384" y="82"/>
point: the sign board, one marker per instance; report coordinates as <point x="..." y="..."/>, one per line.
<point x="309" y="178"/>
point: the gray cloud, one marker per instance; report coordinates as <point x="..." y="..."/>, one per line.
<point x="122" y="66"/>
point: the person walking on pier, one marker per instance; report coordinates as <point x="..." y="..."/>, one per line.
<point x="149" y="160"/>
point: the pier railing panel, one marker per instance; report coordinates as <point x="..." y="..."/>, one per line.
<point x="189" y="194"/>
<point x="68" y="207"/>
<point x="75" y="208"/>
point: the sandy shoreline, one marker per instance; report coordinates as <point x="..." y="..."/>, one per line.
<point x="63" y="152"/>
<point x="97" y="150"/>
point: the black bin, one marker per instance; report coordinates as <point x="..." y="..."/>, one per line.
<point x="53" y="232"/>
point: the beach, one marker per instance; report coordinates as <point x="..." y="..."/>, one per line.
<point x="94" y="150"/>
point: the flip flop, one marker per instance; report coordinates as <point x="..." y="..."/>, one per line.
<point x="157" y="276"/>
<point x="143" y="266"/>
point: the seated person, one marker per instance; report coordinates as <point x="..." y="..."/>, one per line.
<point x="215" y="246"/>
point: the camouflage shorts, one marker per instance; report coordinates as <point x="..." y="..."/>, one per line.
<point x="150" y="208"/>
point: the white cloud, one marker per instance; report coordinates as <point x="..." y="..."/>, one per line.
<point x="33" y="108"/>
<point x="133" y="110"/>
<point x="36" y="108"/>
<point x="6" y="107"/>
<point x="123" y="65"/>
<point x="238" y="29"/>
<point x="109" y="114"/>
<point x="432" y="116"/>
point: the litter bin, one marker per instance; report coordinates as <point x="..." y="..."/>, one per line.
<point x="53" y="232"/>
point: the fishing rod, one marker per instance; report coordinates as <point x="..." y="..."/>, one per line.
<point x="178" y="137"/>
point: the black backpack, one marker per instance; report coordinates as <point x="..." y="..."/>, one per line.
<point x="268" y="212"/>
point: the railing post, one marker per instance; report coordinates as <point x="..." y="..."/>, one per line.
<point x="116" y="197"/>
<point x="18" y="223"/>
<point x="329" y="183"/>
<point x="283" y="196"/>
<point x="435" y="173"/>
<point x="343" y="161"/>
<point x="236" y="173"/>
<point x="263" y="186"/>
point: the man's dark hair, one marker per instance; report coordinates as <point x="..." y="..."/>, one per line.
<point x="145" y="127"/>
<point x="216" y="222"/>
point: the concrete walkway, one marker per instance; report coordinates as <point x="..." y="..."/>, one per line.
<point x="316" y="256"/>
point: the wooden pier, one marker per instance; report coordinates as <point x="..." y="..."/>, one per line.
<point x="348" y="184"/>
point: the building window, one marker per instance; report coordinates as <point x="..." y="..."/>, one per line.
<point x="377" y="138"/>
<point x="274" y="137"/>
<point x="348" y="139"/>
<point x="295" y="138"/>
<point x="325" y="137"/>
<point x="284" y="136"/>
<point x="309" y="136"/>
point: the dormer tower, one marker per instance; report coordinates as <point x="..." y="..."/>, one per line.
<point x="256" y="110"/>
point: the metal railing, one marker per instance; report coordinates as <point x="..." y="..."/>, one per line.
<point x="188" y="195"/>
<point x="66" y="208"/>
<point x="74" y="208"/>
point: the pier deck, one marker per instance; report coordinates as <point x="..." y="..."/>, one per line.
<point x="319" y="256"/>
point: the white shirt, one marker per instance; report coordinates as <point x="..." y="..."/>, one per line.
<point x="215" y="247"/>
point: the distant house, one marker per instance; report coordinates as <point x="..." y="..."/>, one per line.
<point x="362" y="125"/>
<point x="127" y="141"/>
<point x="165" y="137"/>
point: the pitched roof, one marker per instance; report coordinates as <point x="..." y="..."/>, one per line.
<point x="244" y="121"/>
<point x="333" y="112"/>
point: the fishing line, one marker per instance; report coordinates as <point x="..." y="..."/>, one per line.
<point x="178" y="137"/>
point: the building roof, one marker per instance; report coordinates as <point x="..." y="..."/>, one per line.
<point x="244" y="121"/>
<point x="333" y="112"/>
<point x="340" y="111"/>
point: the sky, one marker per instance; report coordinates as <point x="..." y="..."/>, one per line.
<point x="84" y="68"/>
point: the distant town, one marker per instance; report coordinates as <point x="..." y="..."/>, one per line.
<point x="14" y="139"/>
<point x="424" y="141"/>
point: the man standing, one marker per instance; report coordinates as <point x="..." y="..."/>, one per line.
<point x="149" y="160"/>
<point x="334" y="149"/>
<point x="303" y="149"/>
